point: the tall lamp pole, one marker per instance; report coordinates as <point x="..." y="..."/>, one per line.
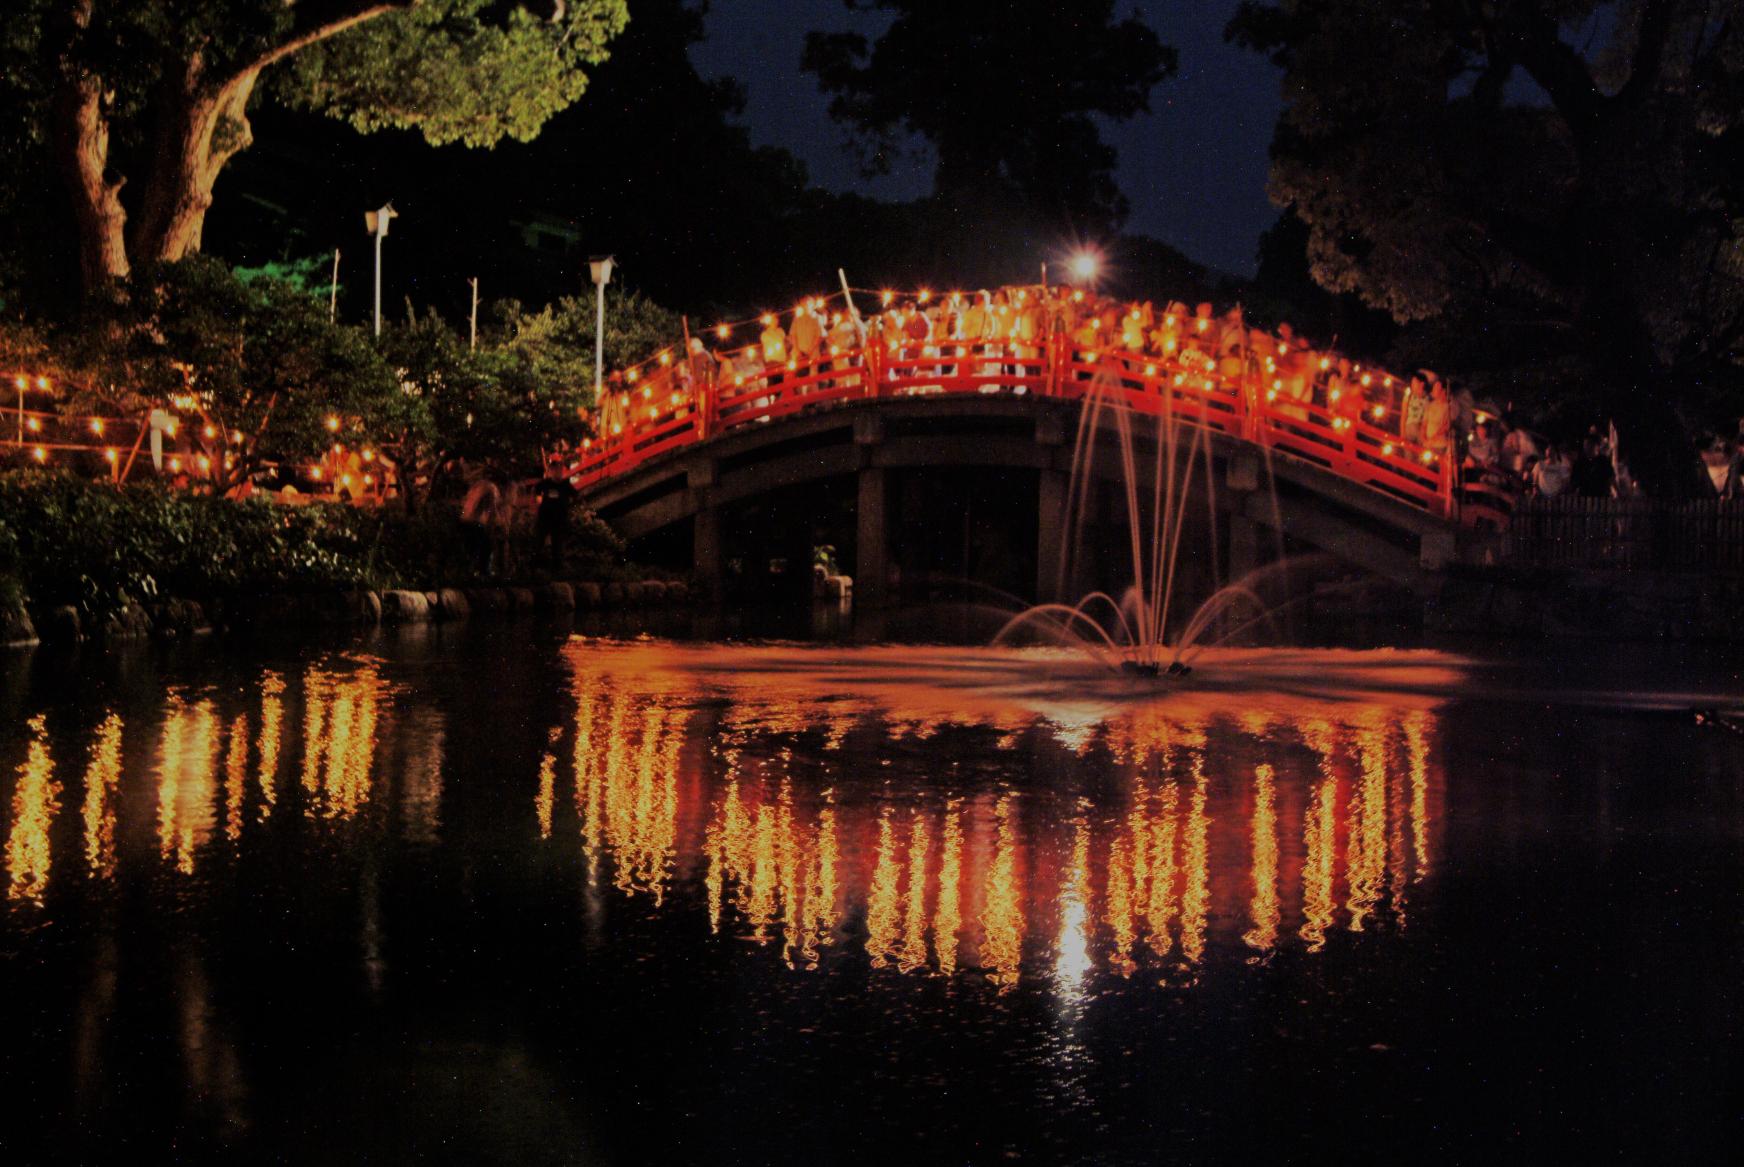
<point x="601" y="267"/>
<point x="378" y="226"/>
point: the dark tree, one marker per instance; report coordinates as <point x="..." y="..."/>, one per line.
<point x="1552" y="189"/>
<point x="140" y="104"/>
<point x="1005" y="94"/>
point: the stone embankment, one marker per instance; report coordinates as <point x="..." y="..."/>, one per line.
<point x="172" y="619"/>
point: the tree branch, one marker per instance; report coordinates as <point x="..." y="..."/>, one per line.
<point x="316" y="22"/>
<point x="1557" y="67"/>
<point x="1650" y="42"/>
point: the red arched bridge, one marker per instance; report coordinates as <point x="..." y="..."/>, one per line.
<point x="1298" y="447"/>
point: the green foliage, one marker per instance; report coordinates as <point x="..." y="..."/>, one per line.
<point x="527" y="388"/>
<point x="68" y="540"/>
<point x="169" y="83"/>
<point x="456" y="70"/>
<point x="259" y="357"/>
<point x="310" y="274"/>
<point x="98" y="546"/>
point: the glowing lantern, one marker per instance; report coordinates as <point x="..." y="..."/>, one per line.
<point x="97" y="426"/>
<point x="332" y="424"/>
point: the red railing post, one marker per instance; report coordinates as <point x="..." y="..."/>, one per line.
<point x="874" y="366"/>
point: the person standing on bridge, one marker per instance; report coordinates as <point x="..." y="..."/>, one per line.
<point x="774" y="342"/>
<point x="844" y="337"/>
<point x="1437" y="420"/>
<point x="975" y="319"/>
<point x="806" y="336"/>
<point x="1416" y="405"/>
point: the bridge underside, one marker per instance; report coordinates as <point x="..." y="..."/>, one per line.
<point x="863" y="450"/>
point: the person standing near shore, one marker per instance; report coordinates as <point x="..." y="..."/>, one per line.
<point x="478" y="518"/>
<point x="551" y="523"/>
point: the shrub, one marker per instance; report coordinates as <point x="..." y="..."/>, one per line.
<point x="99" y="547"/>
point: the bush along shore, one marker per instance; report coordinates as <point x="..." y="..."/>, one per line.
<point x="83" y="560"/>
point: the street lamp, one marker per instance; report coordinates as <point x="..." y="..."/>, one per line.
<point x="601" y="267"/>
<point x="378" y="226"/>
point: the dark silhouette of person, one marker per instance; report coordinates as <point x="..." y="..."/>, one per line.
<point x="551" y="523"/>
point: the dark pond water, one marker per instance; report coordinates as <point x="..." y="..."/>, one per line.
<point x="504" y="895"/>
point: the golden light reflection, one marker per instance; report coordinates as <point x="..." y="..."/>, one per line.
<point x="187" y="761"/>
<point x="913" y="954"/>
<point x="1318" y="841"/>
<point x="881" y="896"/>
<point x="1263" y="909"/>
<point x="798" y="844"/>
<point x="546" y="798"/>
<point x="35" y="802"/>
<point x="340" y="711"/>
<point x="272" y="716"/>
<point x="235" y="777"/>
<point x="948" y="912"/>
<point x="1002" y="915"/>
<point x="1366" y="846"/>
<point x="102" y="780"/>
<point x="626" y="785"/>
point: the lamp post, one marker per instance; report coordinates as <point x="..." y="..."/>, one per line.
<point x="378" y="226"/>
<point x="601" y="267"/>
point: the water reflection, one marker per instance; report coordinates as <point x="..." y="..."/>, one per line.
<point x="35" y="801"/>
<point x="961" y="821"/>
<point x="102" y="782"/>
<point x="807" y="840"/>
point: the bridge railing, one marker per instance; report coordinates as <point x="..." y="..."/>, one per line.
<point x="1313" y="420"/>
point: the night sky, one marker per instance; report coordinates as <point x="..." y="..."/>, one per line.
<point x="1194" y="168"/>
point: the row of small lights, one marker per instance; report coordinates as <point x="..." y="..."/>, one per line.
<point x="1172" y="321"/>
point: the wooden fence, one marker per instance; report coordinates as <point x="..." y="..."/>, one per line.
<point x="1631" y="534"/>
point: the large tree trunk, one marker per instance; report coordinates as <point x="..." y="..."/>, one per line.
<point x="81" y="133"/>
<point x="200" y="123"/>
<point x="199" y="128"/>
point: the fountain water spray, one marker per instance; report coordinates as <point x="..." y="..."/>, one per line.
<point x="1130" y="632"/>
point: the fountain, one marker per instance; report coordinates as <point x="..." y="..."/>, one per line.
<point x="1129" y="633"/>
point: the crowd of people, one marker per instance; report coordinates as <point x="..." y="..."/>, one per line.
<point x="1009" y="329"/>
